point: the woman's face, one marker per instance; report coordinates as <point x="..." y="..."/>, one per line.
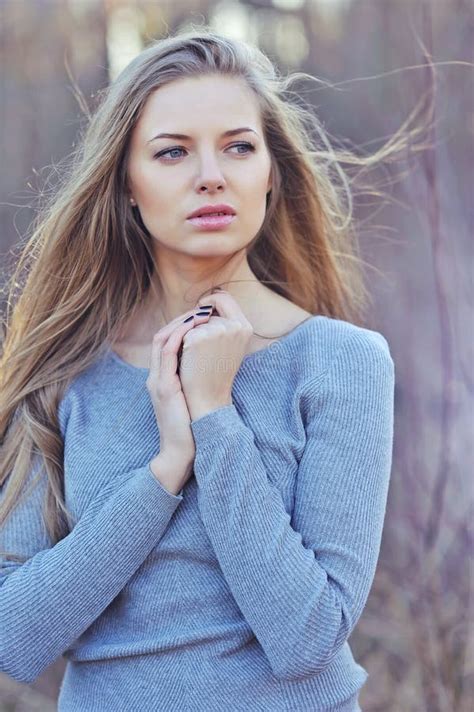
<point x="169" y="178"/>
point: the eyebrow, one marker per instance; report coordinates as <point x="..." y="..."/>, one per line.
<point x="183" y="137"/>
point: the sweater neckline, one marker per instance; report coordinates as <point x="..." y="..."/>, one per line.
<point x="260" y="354"/>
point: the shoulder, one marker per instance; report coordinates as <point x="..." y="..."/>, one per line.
<point x="320" y="339"/>
<point x="327" y="341"/>
<point x="345" y="364"/>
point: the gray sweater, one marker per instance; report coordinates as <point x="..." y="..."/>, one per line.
<point x="240" y="592"/>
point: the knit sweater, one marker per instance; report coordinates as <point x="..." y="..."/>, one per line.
<point x="241" y="591"/>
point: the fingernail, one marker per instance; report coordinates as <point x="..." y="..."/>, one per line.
<point x="205" y="306"/>
<point x="189" y="318"/>
<point x="205" y="313"/>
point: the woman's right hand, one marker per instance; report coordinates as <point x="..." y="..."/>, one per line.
<point x="174" y="462"/>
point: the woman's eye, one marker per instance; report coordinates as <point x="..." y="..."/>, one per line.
<point x="250" y="148"/>
<point x="169" y="150"/>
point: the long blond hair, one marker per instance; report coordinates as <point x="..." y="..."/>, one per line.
<point x="88" y="264"/>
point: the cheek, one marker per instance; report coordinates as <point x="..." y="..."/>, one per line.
<point x="146" y="182"/>
<point x="252" y="217"/>
<point x="258" y="180"/>
<point x="255" y="193"/>
<point x="159" y="204"/>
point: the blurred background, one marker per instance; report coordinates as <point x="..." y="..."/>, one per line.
<point x="416" y="636"/>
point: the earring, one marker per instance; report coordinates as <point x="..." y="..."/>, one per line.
<point x="132" y="201"/>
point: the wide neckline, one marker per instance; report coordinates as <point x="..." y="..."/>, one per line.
<point x="249" y="358"/>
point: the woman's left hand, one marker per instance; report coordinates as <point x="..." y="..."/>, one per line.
<point x="212" y="354"/>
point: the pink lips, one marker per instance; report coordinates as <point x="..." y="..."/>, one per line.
<point x="212" y="222"/>
<point x="212" y="208"/>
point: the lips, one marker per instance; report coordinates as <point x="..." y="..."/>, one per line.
<point x="212" y="210"/>
<point x="212" y="222"/>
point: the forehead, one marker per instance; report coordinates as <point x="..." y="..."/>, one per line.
<point x="196" y="104"/>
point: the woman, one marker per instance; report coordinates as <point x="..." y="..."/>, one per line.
<point x="195" y="465"/>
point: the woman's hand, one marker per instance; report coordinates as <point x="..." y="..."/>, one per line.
<point x="212" y="354"/>
<point x="177" y="450"/>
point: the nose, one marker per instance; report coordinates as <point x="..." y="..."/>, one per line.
<point x="210" y="176"/>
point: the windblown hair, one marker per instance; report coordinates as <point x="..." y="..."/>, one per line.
<point x="88" y="263"/>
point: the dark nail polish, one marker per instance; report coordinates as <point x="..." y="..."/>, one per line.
<point x="205" y="313"/>
<point x="206" y="306"/>
<point x="188" y="319"/>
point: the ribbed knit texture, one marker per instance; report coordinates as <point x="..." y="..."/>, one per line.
<point x="239" y="593"/>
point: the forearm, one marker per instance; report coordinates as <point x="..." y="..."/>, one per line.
<point x="49" y="601"/>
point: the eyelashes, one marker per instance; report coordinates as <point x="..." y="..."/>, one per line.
<point x="249" y="146"/>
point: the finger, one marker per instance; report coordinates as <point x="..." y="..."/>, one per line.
<point x="167" y="342"/>
<point x="227" y="306"/>
<point x="163" y="333"/>
<point x="167" y="328"/>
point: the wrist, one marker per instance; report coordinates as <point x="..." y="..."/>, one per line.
<point x="201" y="409"/>
<point x="169" y="472"/>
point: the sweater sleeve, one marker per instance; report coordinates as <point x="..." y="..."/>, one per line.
<point x="48" y="601"/>
<point x="302" y="582"/>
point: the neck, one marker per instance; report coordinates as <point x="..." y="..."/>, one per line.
<point x="176" y="292"/>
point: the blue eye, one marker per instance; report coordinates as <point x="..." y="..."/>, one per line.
<point x="169" y="150"/>
<point x="250" y="148"/>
